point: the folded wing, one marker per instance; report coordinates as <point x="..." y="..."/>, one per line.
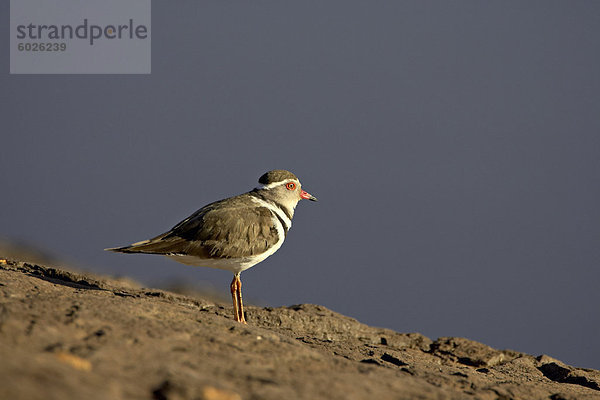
<point x="215" y="231"/>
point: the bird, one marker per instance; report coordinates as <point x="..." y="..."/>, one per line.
<point x="232" y="234"/>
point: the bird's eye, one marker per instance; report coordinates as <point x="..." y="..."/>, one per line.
<point x="291" y="186"/>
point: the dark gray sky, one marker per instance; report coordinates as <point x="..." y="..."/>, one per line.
<point x="454" y="148"/>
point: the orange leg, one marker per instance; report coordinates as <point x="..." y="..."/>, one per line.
<point x="236" y="294"/>
<point x="241" y="319"/>
<point x="233" y="288"/>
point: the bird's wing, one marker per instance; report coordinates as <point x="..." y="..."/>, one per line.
<point x="216" y="231"/>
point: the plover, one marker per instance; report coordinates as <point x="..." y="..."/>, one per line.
<point x="233" y="234"/>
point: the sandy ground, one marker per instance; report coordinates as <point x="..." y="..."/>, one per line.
<point x="66" y="335"/>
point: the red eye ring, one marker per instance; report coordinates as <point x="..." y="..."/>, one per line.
<point x="290" y="186"/>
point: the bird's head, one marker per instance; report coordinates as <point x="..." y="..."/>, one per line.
<point x="284" y="188"/>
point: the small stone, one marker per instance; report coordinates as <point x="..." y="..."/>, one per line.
<point x="212" y="393"/>
<point x="74" y="361"/>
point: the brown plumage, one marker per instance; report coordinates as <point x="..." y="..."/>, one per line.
<point x="224" y="229"/>
<point x="276" y="175"/>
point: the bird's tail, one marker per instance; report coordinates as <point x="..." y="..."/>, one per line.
<point x="132" y="248"/>
<point x="151" y="246"/>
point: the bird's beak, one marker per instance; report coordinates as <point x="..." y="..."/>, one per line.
<point x="307" y="196"/>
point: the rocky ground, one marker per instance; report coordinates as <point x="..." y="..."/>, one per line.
<point x="66" y="335"/>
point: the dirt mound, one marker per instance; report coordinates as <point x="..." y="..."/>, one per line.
<point x="66" y="335"/>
